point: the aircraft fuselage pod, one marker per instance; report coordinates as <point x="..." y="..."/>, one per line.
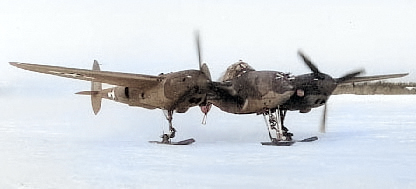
<point x="246" y="91"/>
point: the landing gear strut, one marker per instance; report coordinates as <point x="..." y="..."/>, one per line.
<point x="166" y="137"/>
<point x="274" y="120"/>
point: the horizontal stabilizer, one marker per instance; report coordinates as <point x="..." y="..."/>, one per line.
<point x="88" y="93"/>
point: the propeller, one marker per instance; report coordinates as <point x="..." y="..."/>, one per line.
<point x="348" y="77"/>
<point x="315" y="70"/>
<point x="204" y="69"/>
<point x="322" y="129"/>
<point x="328" y="84"/>
<point x="202" y="66"/>
<point x="308" y="62"/>
<point x="198" y="48"/>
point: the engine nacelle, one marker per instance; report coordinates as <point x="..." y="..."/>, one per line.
<point x="119" y="94"/>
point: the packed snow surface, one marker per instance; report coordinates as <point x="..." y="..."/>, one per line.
<point x="57" y="142"/>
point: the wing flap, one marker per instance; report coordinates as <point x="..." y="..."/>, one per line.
<point x="112" y="78"/>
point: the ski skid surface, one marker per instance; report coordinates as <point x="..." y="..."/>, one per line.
<point x="289" y="143"/>
<point x="183" y="142"/>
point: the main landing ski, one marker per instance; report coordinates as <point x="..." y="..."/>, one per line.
<point x="289" y="143"/>
<point x="183" y="142"/>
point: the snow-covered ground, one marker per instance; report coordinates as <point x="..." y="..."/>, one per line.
<point x="57" y="142"/>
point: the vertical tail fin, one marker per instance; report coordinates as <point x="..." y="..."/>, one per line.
<point x="95" y="92"/>
<point x="96" y="86"/>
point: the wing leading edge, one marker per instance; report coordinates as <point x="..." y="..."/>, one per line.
<point x="112" y="78"/>
<point x="373" y="78"/>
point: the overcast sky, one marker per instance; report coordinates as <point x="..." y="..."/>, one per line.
<point x="151" y="37"/>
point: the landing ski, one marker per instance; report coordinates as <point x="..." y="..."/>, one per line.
<point x="289" y="143"/>
<point x="310" y="139"/>
<point x="183" y="142"/>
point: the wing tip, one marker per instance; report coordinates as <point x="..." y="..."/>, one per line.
<point x="14" y="63"/>
<point x="399" y="75"/>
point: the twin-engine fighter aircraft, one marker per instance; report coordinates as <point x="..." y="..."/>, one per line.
<point x="241" y="90"/>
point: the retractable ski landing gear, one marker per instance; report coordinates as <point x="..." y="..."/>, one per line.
<point x="166" y="137"/>
<point x="278" y="133"/>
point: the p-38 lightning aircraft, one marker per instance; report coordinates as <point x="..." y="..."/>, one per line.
<point x="171" y="92"/>
<point x="242" y="90"/>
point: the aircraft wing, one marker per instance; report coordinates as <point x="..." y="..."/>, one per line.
<point x="375" y="77"/>
<point x="112" y="78"/>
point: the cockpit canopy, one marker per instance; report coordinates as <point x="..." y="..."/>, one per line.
<point x="236" y="70"/>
